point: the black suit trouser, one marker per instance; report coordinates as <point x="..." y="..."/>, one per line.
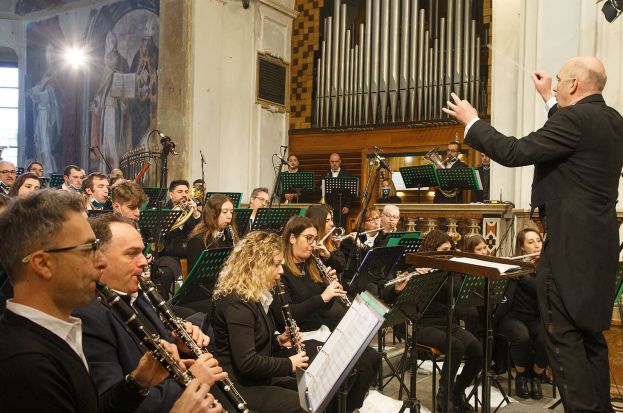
<point x="579" y="359"/>
<point x="279" y="397"/>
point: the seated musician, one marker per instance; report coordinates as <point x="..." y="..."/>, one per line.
<point x="387" y="192"/>
<point x="322" y="218"/>
<point x="36" y="168"/>
<point x="518" y="319"/>
<point x="259" y="199"/>
<point x="433" y="328"/>
<point x="472" y="316"/>
<point x="355" y="249"/>
<point x="244" y="328"/>
<point x="110" y="350"/>
<point x="96" y="187"/>
<point x="175" y="241"/>
<point x="127" y="199"/>
<point x="42" y="356"/>
<point x="316" y="306"/>
<point x="25" y="184"/>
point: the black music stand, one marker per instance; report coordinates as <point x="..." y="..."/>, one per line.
<point x="343" y="188"/>
<point x="155" y="196"/>
<point x="234" y="196"/>
<point x="148" y="221"/>
<point x="298" y="183"/>
<point x="199" y="284"/>
<point x="411" y="244"/>
<point x="419" y="177"/>
<point x="461" y="178"/>
<point x="273" y="219"/>
<point x="442" y="260"/>
<point x="410" y="306"/>
<point x="19" y="170"/>
<point x="243" y="215"/>
<point x="56" y="180"/>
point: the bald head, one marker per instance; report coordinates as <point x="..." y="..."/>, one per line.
<point x="590" y="72"/>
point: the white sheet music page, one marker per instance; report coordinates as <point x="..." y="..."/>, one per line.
<point x="502" y="268"/>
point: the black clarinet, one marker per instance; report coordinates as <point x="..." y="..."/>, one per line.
<point x="142" y="334"/>
<point x="324" y="272"/>
<point x="176" y="324"/>
<point x="231" y="234"/>
<point x="299" y="346"/>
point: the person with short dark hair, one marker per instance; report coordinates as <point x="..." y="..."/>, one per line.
<point x="451" y="161"/>
<point x="341" y="204"/>
<point x="484" y="169"/>
<point x="322" y="218"/>
<point x="127" y="197"/>
<point x="25" y="184"/>
<point x="259" y="199"/>
<point x="96" y="186"/>
<point x="36" y="168"/>
<point x="73" y="176"/>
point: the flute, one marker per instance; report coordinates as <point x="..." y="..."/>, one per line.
<point x="521" y="257"/>
<point x="370" y="231"/>
<point x="299" y="346"/>
<point x="327" y="278"/>
<point x="406" y="277"/>
<point x="176" y="324"/>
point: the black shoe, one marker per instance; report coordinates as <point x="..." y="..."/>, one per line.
<point x="535" y="388"/>
<point x="441" y="395"/>
<point x="461" y="403"/>
<point x="521" y="386"/>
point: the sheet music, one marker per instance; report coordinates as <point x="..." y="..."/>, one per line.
<point x="353" y="332"/>
<point x="502" y="268"/>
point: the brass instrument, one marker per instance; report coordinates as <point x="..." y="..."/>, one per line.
<point x="324" y="272"/>
<point x="433" y="157"/>
<point x="186" y="207"/>
<point x="175" y="324"/>
<point x="299" y="346"/>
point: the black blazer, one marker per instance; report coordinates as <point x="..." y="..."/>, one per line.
<point x="112" y="353"/>
<point x="245" y="343"/>
<point x="440" y="199"/>
<point x="577" y="157"/>
<point x="42" y="373"/>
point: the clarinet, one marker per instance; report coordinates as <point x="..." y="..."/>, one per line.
<point x="299" y="346"/>
<point x="146" y="338"/>
<point x="327" y="278"/>
<point x="231" y="234"/>
<point x="175" y="324"/>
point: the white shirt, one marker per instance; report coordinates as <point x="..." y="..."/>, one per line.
<point x="266" y="299"/>
<point x="70" y="332"/>
<point x="370" y="239"/>
<point x="335" y="174"/>
<point x="133" y="296"/>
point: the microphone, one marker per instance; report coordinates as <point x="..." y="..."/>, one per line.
<point x="382" y="161"/>
<point x="203" y="161"/>
<point x="283" y="161"/>
<point x="167" y="143"/>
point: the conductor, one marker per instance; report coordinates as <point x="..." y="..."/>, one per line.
<point x="577" y="157"/>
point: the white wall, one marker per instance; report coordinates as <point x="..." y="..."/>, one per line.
<point x="543" y="34"/>
<point x="235" y="134"/>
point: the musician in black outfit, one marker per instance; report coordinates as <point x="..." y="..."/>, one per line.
<point x="322" y="218"/>
<point x="484" y="169"/>
<point x="452" y="161"/>
<point x="315" y="306"/>
<point x="44" y="368"/>
<point x="341" y="204"/>
<point x="246" y="344"/>
<point x="578" y="155"/>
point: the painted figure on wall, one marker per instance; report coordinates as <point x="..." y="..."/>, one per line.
<point x="47" y="112"/>
<point x="109" y="105"/>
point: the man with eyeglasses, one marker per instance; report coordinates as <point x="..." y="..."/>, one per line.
<point x="7" y="176"/>
<point x="577" y="157"/>
<point x="53" y="272"/>
<point x="452" y="161"/>
<point x="36" y="168"/>
<point x="259" y="199"/>
<point x="390" y="218"/>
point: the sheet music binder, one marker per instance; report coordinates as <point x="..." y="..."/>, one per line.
<point x="202" y="277"/>
<point x="234" y="196"/>
<point x="273" y="219"/>
<point x="338" y="356"/>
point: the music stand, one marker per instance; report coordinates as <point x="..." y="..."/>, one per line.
<point x="19" y="170"/>
<point x="298" y="183"/>
<point x="419" y="177"/>
<point x="339" y="354"/>
<point x="155" y="195"/>
<point x="199" y="284"/>
<point x="342" y="187"/>
<point x="411" y="242"/>
<point x="483" y="268"/>
<point x="148" y="221"/>
<point x="461" y="178"/>
<point x="410" y="305"/>
<point x="273" y="219"/>
<point x="233" y="196"/>
<point x="56" y="180"/>
<point x="243" y="215"/>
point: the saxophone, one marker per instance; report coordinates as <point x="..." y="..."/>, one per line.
<point x="299" y="346"/>
<point x="327" y="278"/>
<point x="176" y="324"/>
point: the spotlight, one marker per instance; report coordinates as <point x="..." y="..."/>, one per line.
<point x="75" y="57"/>
<point x="612" y="9"/>
<point x="245" y="4"/>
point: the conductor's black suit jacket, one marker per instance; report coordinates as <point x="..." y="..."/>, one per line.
<point x="577" y="157"/>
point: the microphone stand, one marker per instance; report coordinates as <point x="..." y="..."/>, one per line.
<point x="102" y="156"/>
<point x="278" y="177"/>
<point x="203" y="179"/>
<point x="167" y="148"/>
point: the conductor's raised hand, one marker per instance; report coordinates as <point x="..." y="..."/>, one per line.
<point x="543" y="84"/>
<point x="461" y="110"/>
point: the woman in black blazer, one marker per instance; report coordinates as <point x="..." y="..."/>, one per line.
<point x="245" y="343"/>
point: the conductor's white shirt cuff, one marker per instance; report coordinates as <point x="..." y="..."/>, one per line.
<point x="469" y="125"/>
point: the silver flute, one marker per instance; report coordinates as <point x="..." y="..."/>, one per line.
<point x="176" y="324"/>
<point x="299" y="346"/>
<point x="328" y="279"/>
<point x="405" y="277"/>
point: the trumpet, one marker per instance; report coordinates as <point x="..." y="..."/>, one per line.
<point x="406" y="276"/>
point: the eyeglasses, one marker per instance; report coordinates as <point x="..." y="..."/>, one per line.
<point x="6" y="171"/>
<point x="93" y="246"/>
<point x="392" y="216"/>
<point x="311" y="239"/>
<point x="373" y="219"/>
<point x="262" y="199"/>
